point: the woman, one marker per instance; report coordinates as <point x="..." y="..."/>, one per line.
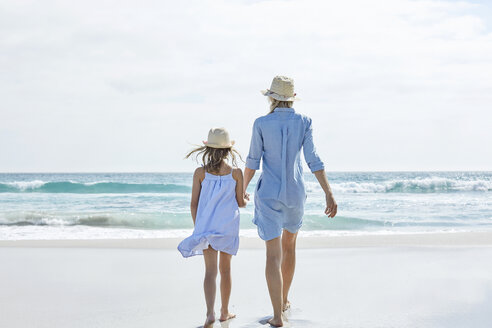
<point x="280" y="193"/>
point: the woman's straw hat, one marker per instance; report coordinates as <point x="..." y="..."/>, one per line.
<point x="282" y="88"/>
<point x="218" y="138"/>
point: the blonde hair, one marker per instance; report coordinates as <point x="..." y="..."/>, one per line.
<point x="212" y="157"/>
<point x="274" y="103"/>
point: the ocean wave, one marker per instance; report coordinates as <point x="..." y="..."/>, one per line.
<point x="90" y="188"/>
<point x="127" y="220"/>
<point x="418" y="185"/>
<point x="314" y="222"/>
<point x="182" y="220"/>
<point x="415" y="185"/>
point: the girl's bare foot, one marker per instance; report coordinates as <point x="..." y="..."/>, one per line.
<point x="226" y="316"/>
<point x="276" y="322"/>
<point x="209" y="323"/>
<point x="286" y="306"/>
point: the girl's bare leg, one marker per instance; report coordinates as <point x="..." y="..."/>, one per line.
<point x="274" y="279"/>
<point x="288" y="264"/>
<point x="209" y="286"/>
<point x="225" y="285"/>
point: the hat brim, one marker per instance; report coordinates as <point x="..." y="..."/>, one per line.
<point x="274" y="95"/>
<point x="211" y="145"/>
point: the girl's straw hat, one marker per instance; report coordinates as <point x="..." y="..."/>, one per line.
<point x="218" y="138"/>
<point x="282" y="89"/>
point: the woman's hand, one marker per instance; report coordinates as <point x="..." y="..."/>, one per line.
<point x="331" y="206"/>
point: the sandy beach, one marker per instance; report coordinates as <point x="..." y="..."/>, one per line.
<point x="421" y="280"/>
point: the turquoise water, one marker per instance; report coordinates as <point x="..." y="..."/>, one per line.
<point x="119" y="205"/>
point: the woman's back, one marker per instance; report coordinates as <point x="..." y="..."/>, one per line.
<point x="278" y="138"/>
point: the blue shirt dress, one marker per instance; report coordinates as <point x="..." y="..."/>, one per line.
<point x="280" y="193"/>
<point x="217" y="218"/>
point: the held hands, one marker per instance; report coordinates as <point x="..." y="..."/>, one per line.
<point x="331" y="206"/>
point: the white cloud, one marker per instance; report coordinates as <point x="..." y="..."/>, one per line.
<point x="117" y="85"/>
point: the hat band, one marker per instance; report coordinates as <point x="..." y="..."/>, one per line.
<point x="216" y="145"/>
<point x="281" y="94"/>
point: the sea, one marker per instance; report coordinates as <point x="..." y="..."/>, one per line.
<point x="37" y="206"/>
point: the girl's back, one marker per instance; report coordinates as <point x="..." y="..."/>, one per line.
<point x="217" y="217"/>
<point x="217" y="208"/>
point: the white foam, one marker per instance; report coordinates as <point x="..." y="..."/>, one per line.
<point x="89" y="233"/>
<point x="410" y="185"/>
<point x="26" y="185"/>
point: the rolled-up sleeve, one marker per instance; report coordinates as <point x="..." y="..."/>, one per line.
<point x="255" y="148"/>
<point x="312" y="159"/>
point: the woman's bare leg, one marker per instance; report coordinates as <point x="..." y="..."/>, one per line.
<point x="274" y="279"/>
<point x="225" y="285"/>
<point x="209" y="285"/>
<point x="288" y="264"/>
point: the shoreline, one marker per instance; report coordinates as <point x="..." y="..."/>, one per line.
<point x="423" y="287"/>
<point x="304" y="242"/>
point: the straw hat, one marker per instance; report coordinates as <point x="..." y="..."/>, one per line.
<point x="282" y="88"/>
<point x="218" y="138"/>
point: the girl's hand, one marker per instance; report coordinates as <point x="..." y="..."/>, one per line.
<point x="246" y="196"/>
<point x="331" y="206"/>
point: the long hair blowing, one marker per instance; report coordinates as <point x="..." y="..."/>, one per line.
<point x="212" y="157"/>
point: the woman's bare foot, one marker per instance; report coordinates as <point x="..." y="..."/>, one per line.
<point x="276" y="322"/>
<point x="226" y="316"/>
<point x="209" y="323"/>
<point x="286" y="306"/>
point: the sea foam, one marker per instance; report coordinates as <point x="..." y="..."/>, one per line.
<point x="420" y="185"/>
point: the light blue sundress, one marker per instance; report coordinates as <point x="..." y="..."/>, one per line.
<point x="217" y="218"/>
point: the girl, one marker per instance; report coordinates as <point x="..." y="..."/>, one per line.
<point x="217" y="193"/>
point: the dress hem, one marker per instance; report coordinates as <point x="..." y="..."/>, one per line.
<point x="202" y="244"/>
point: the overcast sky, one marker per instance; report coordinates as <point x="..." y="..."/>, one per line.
<point x="132" y="85"/>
